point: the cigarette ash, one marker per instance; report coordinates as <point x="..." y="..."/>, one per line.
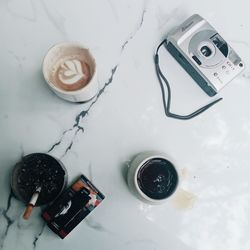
<point x="38" y="170"/>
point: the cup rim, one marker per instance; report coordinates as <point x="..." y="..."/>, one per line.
<point x="73" y="44"/>
<point x="151" y="156"/>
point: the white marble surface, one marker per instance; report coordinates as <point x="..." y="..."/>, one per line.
<point x="100" y="138"/>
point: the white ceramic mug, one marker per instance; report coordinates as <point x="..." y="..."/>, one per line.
<point x="83" y="94"/>
<point x="134" y="168"/>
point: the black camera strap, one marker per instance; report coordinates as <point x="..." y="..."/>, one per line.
<point x="167" y="102"/>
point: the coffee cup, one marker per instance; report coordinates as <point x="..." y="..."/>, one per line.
<point x="70" y="71"/>
<point x="152" y="177"/>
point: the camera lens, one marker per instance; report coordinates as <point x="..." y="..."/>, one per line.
<point x="206" y="51"/>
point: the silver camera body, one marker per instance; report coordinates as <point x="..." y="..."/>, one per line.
<point x="204" y="54"/>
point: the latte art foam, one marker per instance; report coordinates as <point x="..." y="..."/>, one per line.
<point x="71" y="74"/>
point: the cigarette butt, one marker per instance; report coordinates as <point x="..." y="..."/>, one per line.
<point x="31" y="204"/>
<point x="28" y="212"/>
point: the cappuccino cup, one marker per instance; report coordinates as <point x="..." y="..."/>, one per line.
<point x="70" y="71"/>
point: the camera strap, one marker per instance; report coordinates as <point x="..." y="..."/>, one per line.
<point x="167" y="103"/>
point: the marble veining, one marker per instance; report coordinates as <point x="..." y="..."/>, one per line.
<point x="9" y="221"/>
<point x="99" y="138"/>
<point x="76" y="127"/>
<point x="83" y="113"/>
<point x="57" y="20"/>
<point x="18" y="12"/>
<point x="38" y="236"/>
<point x="90" y="222"/>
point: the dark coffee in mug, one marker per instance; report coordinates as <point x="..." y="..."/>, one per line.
<point x="157" y="178"/>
